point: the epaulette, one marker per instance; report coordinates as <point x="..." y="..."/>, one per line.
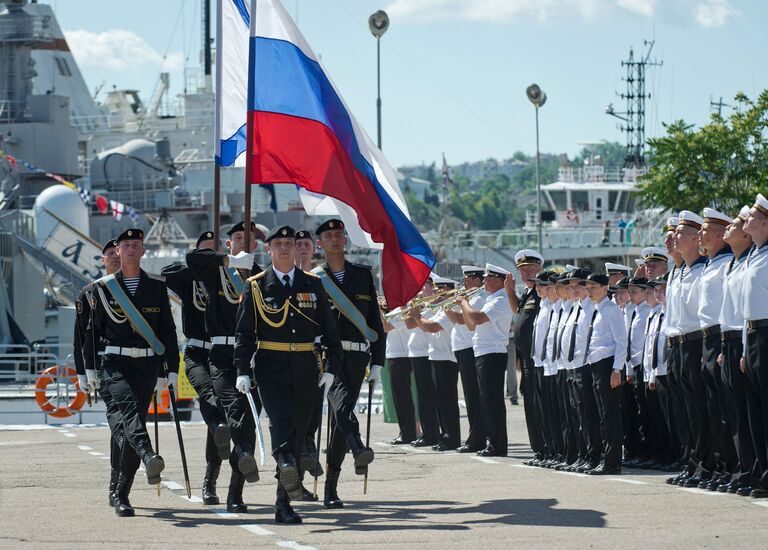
<point x="256" y="277"/>
<point x="156" y="277"/>
<point x="310" y="274"/>
<point x="362" y="266"/>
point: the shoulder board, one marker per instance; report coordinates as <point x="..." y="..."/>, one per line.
<point x="256" y="277"/>
<point x="312" y="275"/>
<point x="156" y="277"/>
<point x="362" y="266"/>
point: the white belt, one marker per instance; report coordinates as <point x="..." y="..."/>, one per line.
<point x="223" y="340"/>
<point x="130" y="352"/>
<point x="195" y="343"/>
<point x="346" y="345"/>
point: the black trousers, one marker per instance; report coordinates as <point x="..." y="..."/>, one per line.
<point x="701" y="456"/>
<point x="199" y="374"/>
<point x="530" y="387"/>
<point x="569" y="422"/>
<point x="131" y="383"/>
<point x="609" y="409"/>
<point x="491" y="368"/>
<point x="469" y="383"/>
<point x="400" y="381"/>
<point x="114" y="420"/>
<point x="646" y="430"/>
<point x="757" y="399"/>
<point x="629" y="421"/>
<point x="735" y="383"/>
<point x="446" y="376"/>
<point x="677" y="413"/>
<point x="589" y="417"/>
<point x="723" y="451"/>
<point x="343" y="397"/>
<point x="242" y="427"/>
<point x="661" y="445"/>
<point x="314" y="423"/>
<point x="551" y="404"/>
<point x="427" y="399"/>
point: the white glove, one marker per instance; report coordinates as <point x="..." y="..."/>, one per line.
<point x="374" y="376"/>
<point x="243" y="260"/>
<point x="93" y="379"/>
<point x="325" y="382"/>
<point x="243" y="384"/>
<point x="173" y="380"/>
<point x="160" y="385"/>
<point x="82" y="381"/>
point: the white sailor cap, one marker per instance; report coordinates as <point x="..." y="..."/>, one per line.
<point x="690" y="219"/>
<point x="672" y="222"/>
<point x="495" y="271"/>
<point x="639" y="262"/>
<point x="438" y="280"/>
<point x="569" y="268"/>
<point x="612" y="268"/>
<point x="472" y="271"/>
<point x="528" y="257"/>
<point x="743" y="214"/>
<point x="761" y="204"/>
<point x="654" y="254"/>
<point x="713" y="216"/>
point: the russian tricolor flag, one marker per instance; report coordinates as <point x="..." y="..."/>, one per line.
<point x="301" y="132"/>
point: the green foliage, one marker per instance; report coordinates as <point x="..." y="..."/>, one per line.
<point x="723" y="164"/>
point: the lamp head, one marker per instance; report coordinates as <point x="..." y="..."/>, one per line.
<point x="536" y="95"/>
<point x="378" y="23"/>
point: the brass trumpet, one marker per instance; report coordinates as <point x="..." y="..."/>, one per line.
<point x="419" y="301"/>
<point x="467" y="293"/>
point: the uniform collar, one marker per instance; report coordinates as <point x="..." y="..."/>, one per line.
<point x="281" y="274"/>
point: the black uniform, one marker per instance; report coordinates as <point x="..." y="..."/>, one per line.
<point x="359" y="288"/>
<point x="207" y="267"/>
<point x="286" y="380"/>
<point x="131" y="380"/>
<point x="530" y="385"/>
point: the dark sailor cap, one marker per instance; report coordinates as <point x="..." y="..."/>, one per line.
<point x="111" y="243"/>
<point x="204" y="236"/>
<point x="642" y="282"/>
<point x="282" y="232"/>
<point x="132" y="234"/>
<point x="303" y="234"/>
<point x="598" y="278"/>
<point x="240" y="227"/>
<point x="329" y="225"/>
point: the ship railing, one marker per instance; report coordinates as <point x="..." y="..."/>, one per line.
<point x="28" y="28"/>
<point x="175" y="116"/>
<point x="597" y="174"/>
<point x="21" y="364"/>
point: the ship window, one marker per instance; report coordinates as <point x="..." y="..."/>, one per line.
<point x="580" y="201"/>
<point x="63" y="66"/>
<point x="559" y="198"/>
<point x="612" y="196"/>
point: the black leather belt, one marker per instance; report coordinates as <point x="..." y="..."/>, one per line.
<point x="714" y="330"/>
<point x="690" y="337"/>
<point x="760" y="323"/>
<point x="730" y="335"/>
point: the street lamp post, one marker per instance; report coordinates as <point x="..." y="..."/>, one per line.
<point x="537" y="96"/>
<point x="378" y="23"/>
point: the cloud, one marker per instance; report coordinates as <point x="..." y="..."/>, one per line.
<point x="642" y="7"/>
<point x="714" y="13"/>
<point x="118" y="50"/>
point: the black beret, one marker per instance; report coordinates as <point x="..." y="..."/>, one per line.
<point x="329" y="225"/>
<point x="204" y="236"/>
<point x="282" y="232"/>
<point x="240" y="227"/>
<point x="599" y="278"/>
<point x="111" y="243"/>
<point x="303" y="234"/>
<point x="638" y="281"/>
<point x="132" y="234"/>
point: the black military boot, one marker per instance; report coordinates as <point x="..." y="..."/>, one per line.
<point x="153" y="463"/>
<point x="331" y="499"/>
<point x="288" y="475"/>
<point x="284" y="512"/>
<point x="123" y="506"/>
<point x="113" y="475"/>
<point x="235" y="502"/>
<point x="363" y="455"/>
<point x="209" y="484"/>
<point x="246" y="463"/>
<point x="221" y="439"/>
<point x="306" y="494"/>
<point x="309" y="461"/>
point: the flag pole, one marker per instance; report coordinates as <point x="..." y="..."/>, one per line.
<point x="217" y="205"/>
<point x="217" y="143"/>
<point x="249" y="128"/>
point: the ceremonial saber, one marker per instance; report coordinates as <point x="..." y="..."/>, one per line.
<point x="157" y="433"/>
<point x="259" y="432"/>
<point x="181" y="440"/>
<point x="317" y="447"/>
<point x="368" y="434"/>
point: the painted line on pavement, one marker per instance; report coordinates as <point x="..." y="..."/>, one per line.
<point x="624" y="480"/>
<point x="95" y="453"/>
<point x="293" y="545"/>
<point x="84" y="448"/>
<point x="257" y="530"/>
<point x="172" y="485"/>
<point x="484" y="460"/>
<point x="697" y="491"/>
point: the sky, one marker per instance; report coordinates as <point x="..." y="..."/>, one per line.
<point x="454" y="72"/>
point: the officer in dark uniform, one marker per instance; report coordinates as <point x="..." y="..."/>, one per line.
<point x="94" y="380"/>
<point x="526" y="307"/>
<point x="193" y="297"/>
<point x="223" y="276"/>
<point x="283" y="311"/>
<point x="134" y="354"/>
<point x="356" y="282"/>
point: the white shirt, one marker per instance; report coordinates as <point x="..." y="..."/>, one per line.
<point x="461" y="336"/>
<point x="418" y="343"/>
<point x="493" y="336"/>
<point x="673" y="312"/>
<point x="636" y="334"/>
<point x="732" y="312"/>
<point x="609" y="335"/>
<point x="280" y="274"/>
<point x="654" y="335"/>
<point x="540" y="325"/>
<point x="575" y="323"/>
<point x="397" y="341"/>
<point x="550" y="364"/>
<point x="755" y="297"/>
<point x="440" y="342"/>
<point x="712" y="283"/>
<point x="688" y="299"/>
<point x="568" y="308"/>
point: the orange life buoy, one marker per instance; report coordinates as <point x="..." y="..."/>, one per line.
<point x="48" y="376"/>
<point x="572" y="215"/>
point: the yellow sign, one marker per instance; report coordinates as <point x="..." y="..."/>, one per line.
<point x="186" y="391"/>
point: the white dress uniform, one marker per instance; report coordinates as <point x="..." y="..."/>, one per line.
<point x="637" y="320"/>
<point x="540" y="326"/>
<point x="399" y="367"/>
<point x="550" y="361"/>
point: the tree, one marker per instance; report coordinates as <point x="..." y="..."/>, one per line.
<point x="723" y="164"/>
